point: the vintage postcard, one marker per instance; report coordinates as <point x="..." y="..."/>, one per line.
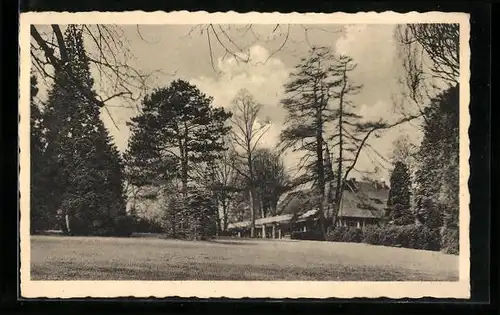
<point x="259" y="155"/>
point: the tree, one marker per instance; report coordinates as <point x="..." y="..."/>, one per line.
<point x="347" y="140"/>
<point x="398" y="204"/>
<point x="438" y="173"/>
<point x="404" y="151"/>
<point x="225" y="183"/>
<point x="40" y="217"/>
<point x="430" y="59"/>
<point x="110" y="56"/>
<point x="247" y="131"/>
<point x="178" y="132"/>
<point x="431" y="83"/>
<point x="271" y="180"/>
<point x="83" y="163"/>
<point x="309" y="111"/>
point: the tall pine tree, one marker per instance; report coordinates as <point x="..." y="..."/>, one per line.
<point x="178" y="132"/>
<point x="84" y="164"/>
<point x="308" y="103"/>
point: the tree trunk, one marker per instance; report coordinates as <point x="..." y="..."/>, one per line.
<point x="320" y="169"/>
<point x="340" y="182"/>
<point x="66" y="219"/>
<point x="252" y="213"/>
<point x="253" y="193"/>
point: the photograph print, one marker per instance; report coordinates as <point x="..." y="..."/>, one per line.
<point x="193" y="153"/>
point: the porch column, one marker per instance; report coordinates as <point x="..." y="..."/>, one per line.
<point x="305" y="228"/>
<point x="274" y="231"/>
<point x="358" y="225"/>
<point x="239" y="234"/>
<point x="279" y="233"/>
<point x="263" y="231"/>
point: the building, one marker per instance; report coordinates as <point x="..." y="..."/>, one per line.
<point x="363" y="203"/>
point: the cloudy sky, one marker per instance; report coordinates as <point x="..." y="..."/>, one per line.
<point x="182" y="51"/>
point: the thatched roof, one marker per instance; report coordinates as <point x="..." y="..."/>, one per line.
<point x="359" y="200"/>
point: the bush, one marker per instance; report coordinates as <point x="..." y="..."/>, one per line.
<point x="124" y="226"/>
<point x="450" y="240"/>
<point x="407" y="236"/>
<point x="372" y="235"/>
<point x="145" y="225"/>
<point x="353" y="235"/>
<point x="344" y="234"/>
<point x="308" y="235"/>
<point x="335" y="234"/>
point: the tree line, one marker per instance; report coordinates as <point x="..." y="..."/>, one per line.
<point x="209" y="161"/>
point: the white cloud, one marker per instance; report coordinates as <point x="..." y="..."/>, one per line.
<point x="263" y="77"/>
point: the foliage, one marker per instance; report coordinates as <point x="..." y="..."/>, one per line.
<point x="398" y="203"/>
<point x="223" y="181"/>
<point x="246" y="134"/>
<point x="408" y="236"/>
<point x="176" y="139"/>
<point x="311" y="235"/>
<point x="177" y="128"/>
<point x="124" y="225"/>
<point x="83" y="164"/>
<point x="344" y="234"/>
<point x="271" y="180"/>
<point x="308" y="104"/>
<point x="145" y="225"/>
<point x="40" y="218"/>
<point x="438" y="173"/>
<point x="450" y="240"/>
<point x="197" y="219"/>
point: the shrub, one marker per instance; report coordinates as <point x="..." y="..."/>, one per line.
<point x="408" y="236"/>
<point x="124" y="226"/>
<point x="309" y="235"/>
<point x="372" y="235"/>
<point x="344" y="234"/>
<point x="145" y="225"/>
<point x="429" y="239"/>
<point x="335" y="234"/>
<point x="450" y="240"/>
<point x="353" y="235"/>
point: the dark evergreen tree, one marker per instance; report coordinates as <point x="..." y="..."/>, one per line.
<point x="83" y="163"/>
<point x="40" y="217"/>
<point x="398" y="204"/>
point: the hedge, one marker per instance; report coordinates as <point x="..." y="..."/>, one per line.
<point x="408" y="236"/>
<point x="308" y="235"/>
<point x="450" y="240"/>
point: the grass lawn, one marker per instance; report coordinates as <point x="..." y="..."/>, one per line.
<point x="94" y="258"/>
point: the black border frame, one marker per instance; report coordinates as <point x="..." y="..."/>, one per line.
<point x="479" y="184"/>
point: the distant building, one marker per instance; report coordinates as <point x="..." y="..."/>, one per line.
<point x="363" y="204"/>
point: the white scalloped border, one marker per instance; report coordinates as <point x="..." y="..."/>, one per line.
<point x="241" y="289"/>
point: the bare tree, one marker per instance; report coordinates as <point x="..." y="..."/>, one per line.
<point x="430" y="57"/>
<point x="108" y="53"/>
<point x="247" y="132"/>
<point x="226" y="37"/>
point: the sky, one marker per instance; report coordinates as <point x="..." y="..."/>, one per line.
<point x="183" y="52"/>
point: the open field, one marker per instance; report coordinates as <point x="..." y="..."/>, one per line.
<point x="93" y="258"/>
